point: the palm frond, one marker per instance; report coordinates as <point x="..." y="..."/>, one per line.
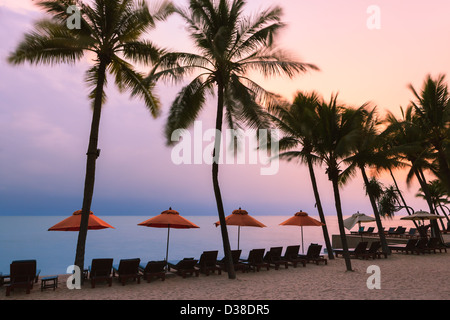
<point x="186" y="107"/>
<point x="127" y="78"/>
<point x="50" y="43"/>
<point x="274" y="63"/>
<point x="91" y="79"/>
<point x="143" y="51"/>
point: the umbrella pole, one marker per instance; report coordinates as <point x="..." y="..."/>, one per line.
<point x="303" y="246"/>
<point x="167" y="249"/>
<point x="239" y="235"/>
<point x="359" y="223"/>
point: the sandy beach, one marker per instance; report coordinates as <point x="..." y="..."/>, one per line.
<point x="403" y="277"/>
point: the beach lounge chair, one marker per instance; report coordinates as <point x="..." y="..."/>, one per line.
<point x="421" y="246"/>
<point x="153" y="269"/>
<point x="360" y="230"/>
<point x="373" y="251"/>
<point x="185" y="266"/>
<point x="358" y="252"/>
<point x="369" y="230"/>
<point x="255" y="260"/>
<point x="33" y="262"/>
<point x="412" y="233"/>
<point x="21" y="275"/>
<point x="101" y="270"/>
<point x="238" y="265"/>
<point x="391" y="231"/>
<point x="313" y="254"/>
<point x="409" y="247"/>
<point x="208" y="263"/>
<point x="273" y="257"/>
<point x="291" y="256"/>
<point x="399" y="232"/>
<point x="127" y="269"/>
<point x="434" y="244"/>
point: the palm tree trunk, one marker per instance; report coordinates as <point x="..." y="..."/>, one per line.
<point x="401" y="197"/>
<point x="384" y="245"/>
<point x="443" y="211"/>
<point x="215" y="174"/>
<point x="92" y="155"/>
<point x="319" y="208"/>
<point x="444" y="168"/>
<point x="337" y="199"/>
<point x="423" y="184"/>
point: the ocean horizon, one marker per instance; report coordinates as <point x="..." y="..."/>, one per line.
<point x="26" y="237"/>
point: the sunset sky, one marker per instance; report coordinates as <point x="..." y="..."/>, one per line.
<point x="45" y="114"/>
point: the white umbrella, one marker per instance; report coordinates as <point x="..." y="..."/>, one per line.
<point x="357" y="218"/>
<point x="421" y="215"/>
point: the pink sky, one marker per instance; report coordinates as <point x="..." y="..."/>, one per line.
<point x="45" y="115"/>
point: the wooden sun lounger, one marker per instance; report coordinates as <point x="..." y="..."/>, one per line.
<point x="237" y="264"/>
<point x="153" y="269"/>
<point x="185" y="267"/>
<point x="101" y="270"/>
<point x="358" y="252"/>
<point x="410" y="246"/>
<point x="128" y="269"/>
<point x="255" y="260"/>
<point x="208" y="263"/>
<point x="291" y="256"/>
<point x="273" y="257"/>
<point x="22" y="275"/>
<point x="313" y="254"/>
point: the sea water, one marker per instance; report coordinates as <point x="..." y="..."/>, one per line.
<point x="26" y="237"/>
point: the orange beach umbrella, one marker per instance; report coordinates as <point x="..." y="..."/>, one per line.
<point x="301" y="219"/>
<point x="241" y="218"/>
<point x="73" y="222"/>
<point x="168" y="219"/>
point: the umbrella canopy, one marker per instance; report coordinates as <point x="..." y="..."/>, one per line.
<point x="241" y="218"/>
<point x="357" y="218"/>
<point x="421" y="215"/>
<point x="72" y="223"/>
<point x="168" y="219"/>
<point x="301" y="219"/>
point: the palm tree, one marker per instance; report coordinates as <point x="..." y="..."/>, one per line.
<point x="335" y="139"/>
<point x="369" y="153"/>
<point x="438" y="195"/>
<point x="297" y="122"/>
<point x="409" y="143"/>
<point x="230" y="45"/>
<point x="432" y="110"/>
<point x="111" y="30"/>
<point x="389" y="202"/>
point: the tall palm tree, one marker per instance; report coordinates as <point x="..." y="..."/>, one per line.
<point x="432" y="110"/>
<point x="230" y="45"/>
<point x="369" y="152"/>
<point x="336" y="138"/>
<point x="111" y="30"/>
<point x="297" y="122"/>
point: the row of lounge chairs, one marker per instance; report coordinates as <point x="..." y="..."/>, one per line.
<point x="361" y="250"/>
<point x="24" y="273"/>
<point x="256" y="260"/>
<point x="391" y="232"/>
<point x="419" y="246"/>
